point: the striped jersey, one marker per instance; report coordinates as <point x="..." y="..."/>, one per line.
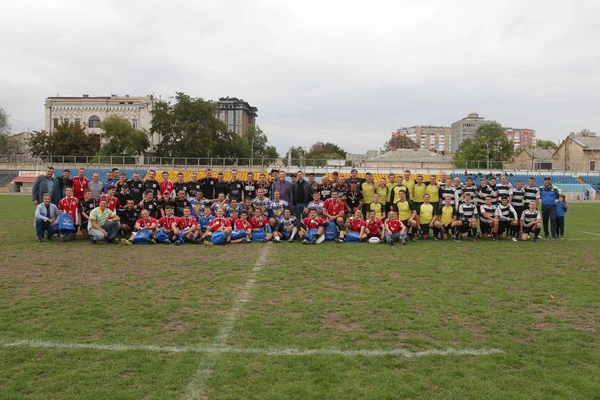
<point x="489" y="210"/>
<point x="531" y="193"/>
<point x="518" y="198"/>
<point x="505" y="213"/>
<point x="529" y="216"/>
<point x="467" y="211"/>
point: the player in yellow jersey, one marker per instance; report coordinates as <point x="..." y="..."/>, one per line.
<point x="368" y="189"/>
<point x="391" y="184"/>
<point x="409" y="183"/>
<point x="382" y="191"/>
<point x="377" y="206"/>
<point x="418" y="190"/>
<point x="447" y="217"/>
<point x="433" y="190"/>
<point x="399" y="187"/>
<point x="426" y="218"/>
<point x="407" y="213"/>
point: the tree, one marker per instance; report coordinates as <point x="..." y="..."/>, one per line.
<point x="474" y="151"/>
<point x="68" y="140"/>
<point x="294" y="155"/>
<point x="121" y="138"/>
<point x="189" y="128"/>
<point x="399" y="142"/>
<point x="545" y="144"/>
<point x="256" y="146"/>
<point x="7" y="144"/>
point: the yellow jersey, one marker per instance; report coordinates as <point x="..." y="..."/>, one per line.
<point x="405" y="210"/>
<point x="409" y="184"/>
<point x="418" y="192"/>
<point x="382" y="191"/>
<point x="447" y="214"/>
<point x="425" y="213"/>
<point x="434" y="193"/>
<point x="396" y="193"/>
<point x="378" y="208"/>
<point x="367" y="189"/>
<point x="390" y="191"/>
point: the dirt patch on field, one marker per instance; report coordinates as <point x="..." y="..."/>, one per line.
<point x="334" y="321"/>
<point x="549" y="316"/>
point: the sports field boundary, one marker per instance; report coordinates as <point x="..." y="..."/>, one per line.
<point x="212" y="349"/>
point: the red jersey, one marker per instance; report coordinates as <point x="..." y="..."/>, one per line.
<point x="333" y="208"/>
<point x="70" y="206"/>
<point x="219" y="223"/>
<point x="259" y="223"/>
<point x="241" y="225"/>
<point x="167" y="222"/>
<point x="395" y="226"/>
<point x="313" y="223"/>
<point x="167" y="186"/>
<point x="79" y="186"/>
<point x="185" y="223"/>
<point x="374" y="227"/>
<point x="145" y="224"/>
<point x="113" y="202"/>
<point x="356" y="223"/>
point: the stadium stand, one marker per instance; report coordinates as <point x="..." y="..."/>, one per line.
<point x="592" y="180"/>
<point x="539" y="179"/>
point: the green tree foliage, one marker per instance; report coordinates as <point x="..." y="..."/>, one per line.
<point x="67" y="140"/>
<point x="121" y="138"/>
<point x="189" y="128"/>
<point x="399" y="142"/>
<point x="474" y="151"/>
<point x="545" y="144"/>
<point x="296" y="154"/>
<point x="319" y="152"/>
<point x="7" y="144"/>
<point x="255" y="147"/>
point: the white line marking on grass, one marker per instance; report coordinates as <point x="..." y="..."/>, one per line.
<point x="212" y="349"/>
<point x="590" y="233"/>
<point x="196" y="389"/>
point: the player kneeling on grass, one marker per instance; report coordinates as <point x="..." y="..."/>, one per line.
<point x="186" y="227"/>
<point x="242" y="229"/>
<point x="218" y="224"/>
<point x="531" y="221"/>
<point x="508" y="221"/>
<point x="312" y="228"/>
<point x="394" y="229"/>
<point x="356" y="229"/>
<point x="467" y="219"/>
<point x="425" y="218"/>
<point x="286" y="228"/>
<point x="261" y="230"/>
<point x="375" y="232"/>
<point x="103" y="224"/>
<point x="447" y="218"/>
<point x="144" y="230"/>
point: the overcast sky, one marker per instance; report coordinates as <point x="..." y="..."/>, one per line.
<point x="342" y="71"/>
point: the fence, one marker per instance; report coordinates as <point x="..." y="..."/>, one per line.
<point x="320" y="166"/>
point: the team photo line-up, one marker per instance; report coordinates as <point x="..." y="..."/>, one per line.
<point x="211" y="210"/>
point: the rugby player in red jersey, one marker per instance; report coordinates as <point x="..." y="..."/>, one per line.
<point x="166" y="185"/>
<point x="394" y="229"/>
<point x="80" y="184"/>
<point x="357" y="224"/>
<point x="260" y="222"/>
<point x="312" y="222"/>
<point x="220" y="223"/>
<point x="169" y="223"/>
<point x="334" y="210"/>
<point x="111" y="200"/>
<point x="69" y="205"/>
<point x="240" y="225"/>
<point x="186" y="225"/>
<point x="145" y="222"/>
<point x="374" y="227"/>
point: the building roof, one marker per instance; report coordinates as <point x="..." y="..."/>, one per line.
<point x="587" y="142"/>
<point x="540" y="154"/>
<point x="411" y="155"/>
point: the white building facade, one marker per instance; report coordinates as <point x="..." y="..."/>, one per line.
<point x="89" y="111"/>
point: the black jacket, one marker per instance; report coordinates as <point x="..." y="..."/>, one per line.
<point x="305" y="191"/>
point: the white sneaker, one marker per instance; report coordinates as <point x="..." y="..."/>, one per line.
<point x="514" y="239"/>
<point x="294" y="231"/>
<point x="277" y="239"/>
<point x="321" y="239"/>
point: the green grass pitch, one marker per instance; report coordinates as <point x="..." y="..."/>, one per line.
<point x="286" y="321"/>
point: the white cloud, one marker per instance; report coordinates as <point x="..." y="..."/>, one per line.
<point x="343" y="71"/>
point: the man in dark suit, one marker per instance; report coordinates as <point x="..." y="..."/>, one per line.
<point x="301" y="194"/>
<point x="46" y="184"/>
<point x="284" y="187"/>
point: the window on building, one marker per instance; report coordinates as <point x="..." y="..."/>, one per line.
<point x="55" y="122"/>
<point x="77" y="121"/>
<point x="134" y="123"/>
<point x="592" y="165"/>
<point x="93" y="122"/>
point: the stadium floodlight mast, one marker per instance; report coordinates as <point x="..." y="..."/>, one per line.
<point x="487" y="146"/>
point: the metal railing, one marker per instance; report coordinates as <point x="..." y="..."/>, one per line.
<point x="320" y="166"/>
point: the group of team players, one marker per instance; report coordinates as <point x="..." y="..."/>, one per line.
<point x="396" y="209"/>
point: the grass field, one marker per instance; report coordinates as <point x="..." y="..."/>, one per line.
<point x="485" y="320"/>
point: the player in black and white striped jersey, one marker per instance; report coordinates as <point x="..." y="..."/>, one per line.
<point x="531" y="221"/>
<point x="484" y="191"/>
<point x="518" y="198"/>
<point x="488" y="219"/>
<point x="504" y="188"/>
<point x="532" y="192"/>
<point x="449" y="191"/>
<point x="470" y="187"/>
<point x="467" y="219"/>
<point x="508" y="220"/>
